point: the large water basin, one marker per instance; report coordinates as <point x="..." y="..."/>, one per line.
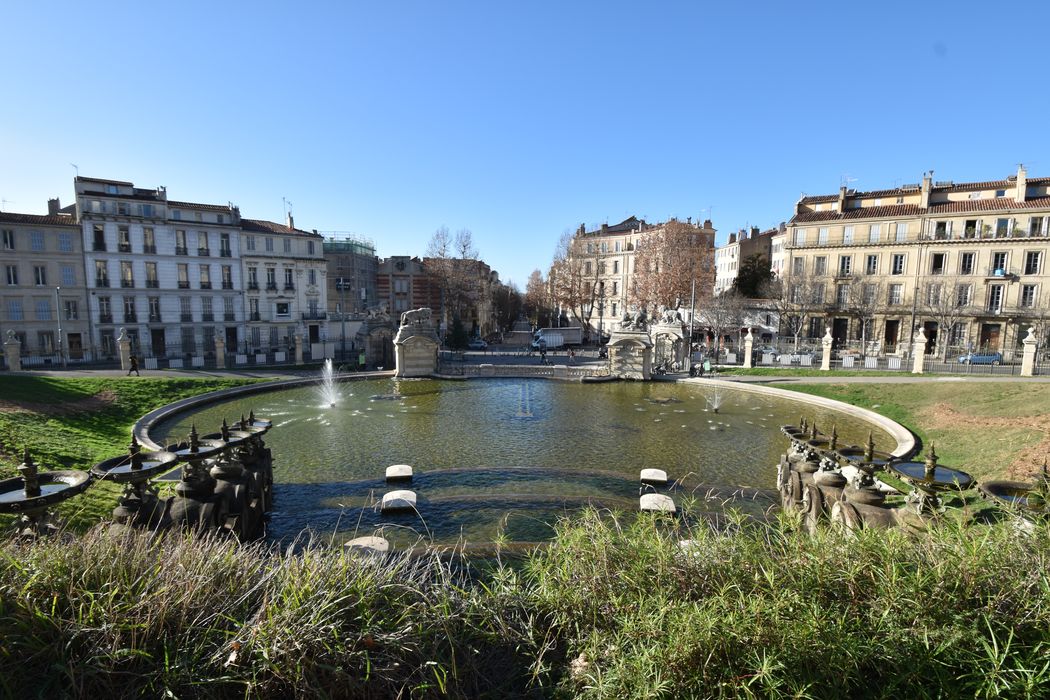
<point x="504" y="458"/>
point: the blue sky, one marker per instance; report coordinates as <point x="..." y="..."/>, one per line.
<point x="516" y="120"/>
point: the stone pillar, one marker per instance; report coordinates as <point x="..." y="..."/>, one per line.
<point x="13" y="352"/>
<point x="825" y="360"/>
<point x="220" y="352"/>
<point x="1028" y="359"/>
<point x="298" y="348"/>
<point x="918" y="352"/>
<point x="416" y="345"/>
<point x="749" y="344"/>
<point x="124" y="346"/>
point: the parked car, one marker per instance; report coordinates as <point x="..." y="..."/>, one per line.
<point x="766" y="350"/>
<point x="982" y="358"/>
<point x="477" y="344"/>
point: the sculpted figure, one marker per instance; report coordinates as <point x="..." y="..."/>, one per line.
<point x="417" y="316"/>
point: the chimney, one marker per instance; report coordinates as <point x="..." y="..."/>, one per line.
<point x="689" y="220"/>
<point x="605" y="227"/>
<point x="754" y="231"/>
<point x="582" y="229"/>
<point x="842" y="198"/>
<point x="291" y="221"/>
<point x="707" y="223"/>
<point x="927" y="183"/>
<point x="1022" y="183"/>
<point x="732" y="238"/>
<point x="53" y="206"/>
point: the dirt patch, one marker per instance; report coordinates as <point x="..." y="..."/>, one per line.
<point x="1028" y="462"/>
<point x="88" y="404"/>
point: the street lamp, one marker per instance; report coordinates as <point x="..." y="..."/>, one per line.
<point x="601" y="309"/>
<point x="58" y="317"/>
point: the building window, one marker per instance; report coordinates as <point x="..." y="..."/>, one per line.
<point x="842" y="295"/>
<point x="818" y="293"/>
<point x="205" y="272"/>
<point x="1037" y="225"/>
<point x="71" y="310"/>
<point x="180" y="242"/>
<point x="871" y="265"/>
<point x="227" y="277"/>
<point x="249" y="242"/>
<point x="312" y="276"/>
<point x="224" y="246"/>
<point x="822" y="236"/>
<point x="1031" y="262"/>
<point x="69" y="275"/>
<point x="310" y="247"/>
<point x="43" y="309"/>
<point x="40" y="275"/>
<point x="798" y="266"/>
<point x="873" y="233"/>
<point x="1002" y="227"/>
<point x="902" y="232"/>
<point x="972" y="228"/>
<point x="186" y="309"/>
<point x="207" y="312"/>
<point x="183" y="271"/>
<point x="820" y="266"/>
<point x="101" y="274"/>
<point x="36" y="241"/>
<point x="151" y="276"/>
<point x="800" y="236"/>
<point x="227" y="308"/>
<point x="154" y="309"/>
<point x="897" y="264"/>
<point x="129" y="310"/>
<point x="995" y="298"/>
<point x="1028" y="296"/>
<point x="127" y="278"/>
<point x="271" y="278"/>
<point x="933" y="293"/>
<point x="871" y="292"/>
<point x="14" y="310"/>
<point x="269" y="245"/>
<point x="845" y="265"/>
<point x="203" y="248"/>
<point x="896" y="295"/>
<point x="616" y="267"/>
<point x="288" y="278"/>
<point x="847" y="235"/>
<point x="11" y="272"/>
<point x="99" y="242"/>
<point x="587" y="268"/>
<point x="65" y="243"/>
<point x="189" y="341"/>
<point x="287" y="245"/>
<point x="105" y="313"/>
<point x="9" y="239"/>
<point x="942" y="230"/>
<point x="149" y="241"/>
<point x="937" y="263"/>
<point x="999" y="264"/>
<point x="967" y="263"/>
<point x="964" y="295"/>
<point x="253" y="278"/>
<point x="123" y="239"/>
<point x="282" y="308"/>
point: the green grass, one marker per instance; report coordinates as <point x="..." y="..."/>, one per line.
<point x="983" y="452"/>
<point x="74" y="438"/>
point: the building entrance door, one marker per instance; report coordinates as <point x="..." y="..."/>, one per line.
<point x="930" y="329"/>
<point x="839" y="329"/>
<point x="75" y="345"/>
<point x="231" y="338"/>
<point x="156" y="341"/>
<point x="893" y="329"/>
<point x="990" y="337"/>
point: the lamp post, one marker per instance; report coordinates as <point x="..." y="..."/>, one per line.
<point x="601" y="309"/>
<point x="58" y="317"/>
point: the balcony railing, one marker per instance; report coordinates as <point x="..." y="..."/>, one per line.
<point x="289" y="287"/>
<point x="127" y="284"/>
<point x="152" y="284"/>
<point x="203" y="252"/>
<point x="101" y="281"/>
<point x="225" y="253"/>
<point x="210" y="318"/>
<point x="130" y="318"/>
<point x="254" y="316"/>
<point x="271" y="286"/>
<point x="186" y="318"/>
<point x="253" y="286"/>
<point x="205" y="284"/>
<point x="99" y="246"/>
<point x="1003" y="272"/>
<point x="154" y="318"/>
<point x="229" y="317"/>
<point x="227" y="285"/>
<point x="124" y="247"/>
<point x="105" y="318"/>
<point x="314" y="316"/>
<point x="149" y="249"/>
<point x="181" y="250"/>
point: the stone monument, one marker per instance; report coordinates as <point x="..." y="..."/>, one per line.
<point x="669" y="340"/>
<point x="631" y="348"/>
<point x="13" y="352"/>
<point x="416" y="344"/>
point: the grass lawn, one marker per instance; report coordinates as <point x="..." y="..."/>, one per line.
<point x="988" y="429"/>
<point x="74" y="423"/>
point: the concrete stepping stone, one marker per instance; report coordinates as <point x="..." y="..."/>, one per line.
<point x="399" y="472"/>
<point x="654" y="476"/>
<point x="656" y="502"/>
<point x="368" y="545"/>
<point x="398" y="500"/>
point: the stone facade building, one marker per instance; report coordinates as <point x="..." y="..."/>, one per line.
<point x="43" y="298"/>
<point x="352" y="272"/>
<point x="964" y="261"/>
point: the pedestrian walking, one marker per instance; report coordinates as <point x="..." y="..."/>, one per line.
<point x="572" y="356"/>
<point x="134" y="366"/>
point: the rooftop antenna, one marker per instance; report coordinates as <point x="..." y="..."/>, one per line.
<point x="287" y="206"/>
<point x="4" y="203"/>
<point x="846" y="179"/>
<point x="76" y="168"/>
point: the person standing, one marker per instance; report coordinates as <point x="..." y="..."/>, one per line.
<point x="133" y="366"/>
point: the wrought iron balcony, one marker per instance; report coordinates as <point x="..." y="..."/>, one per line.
<point x="205" y="284"/>
<point x="314" y="316"/>
<point x="203" y="252"/>
<point x="101" y="281"/>
<point x="253" y="286"/>
<point x="152" y="284"/>
<point x="184" y="284"/>
<point x="181" y="250"/>
<point x="127" y="284"/>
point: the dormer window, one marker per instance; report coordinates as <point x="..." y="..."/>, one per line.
<point x="1000" y="193"/>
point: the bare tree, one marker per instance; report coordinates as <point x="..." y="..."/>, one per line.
<point x="538" y="301"/>
<point x="453" y="264"/>
<point x="795" y="300"/>
<point x="864" y="300"/>
<point x="947" y="301"/>
<point x="722" y="314"/>
<point x="669" y="260"/>
<point x="575" y="276"/>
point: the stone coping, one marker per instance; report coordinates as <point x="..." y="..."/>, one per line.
<point x="907" y="444"/>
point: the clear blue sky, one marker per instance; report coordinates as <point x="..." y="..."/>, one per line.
<point x="516" y="120"/>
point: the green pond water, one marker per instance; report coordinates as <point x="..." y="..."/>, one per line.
<point x="506" y="457"/>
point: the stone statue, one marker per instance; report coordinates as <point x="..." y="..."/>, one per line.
<point x="379" y="313"/>
<point x="640" y="322"/>
<point x="671" y="317"/>
<point x="416" y="316"/>
<point x="625" y="322"/>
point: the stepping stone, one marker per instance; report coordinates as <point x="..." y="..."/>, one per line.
<point x="398" y="500"/>
<point x="368" y="545"/>
<point x="399" y="472"/>
<point x="654" y="476"/>
<point x="656" y="502"/>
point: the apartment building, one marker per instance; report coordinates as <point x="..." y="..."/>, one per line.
<point x="402" y="283"/>
<point x="964" y="261"/>
<point x="352" y="271"/>
<point x="741" y="246"/>
<point x="43" y="295"/>
<point x="286" y="287"/>
<point x="166" y="271"/>
<point x="604" y="261"/>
